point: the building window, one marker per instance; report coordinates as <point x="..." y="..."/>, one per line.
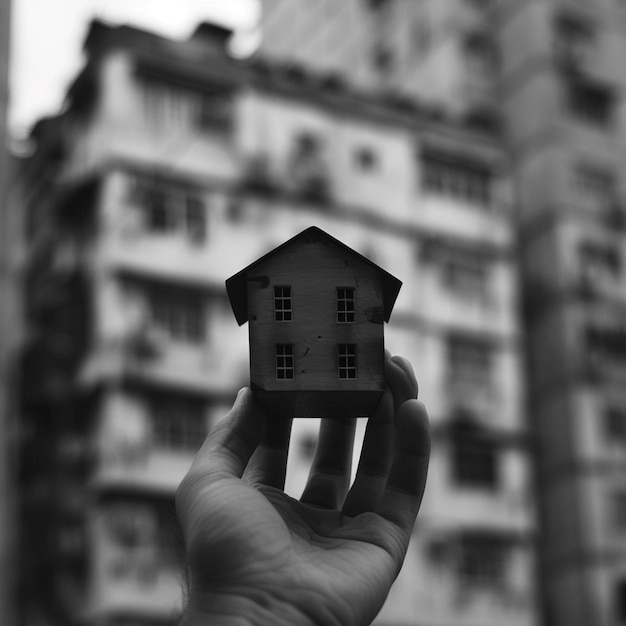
<point x="282" y="304"/>
<point x="347" y="361"/>
<point x="284" y="361"/>
<point x="308" y="168"/>
<point x="469" y="360"/>
<point x="595" y="185"/>
<point x="615" y="424"/>
<point x="474" y="457"/>
<point x="482" y="561"/>
<point x="480" y="53"/>
<point x="159" y="218"/>
<point x="170" y="106"/>
<point x="170" y="208"/>
<point x="382" y="59"/>
<point x="599" y="262"/>
<point x="214" y="112"/>
<point x="377" y="5"/>
<point x="470" y="182"/>
<point x="366" y="159"/>
<point x="465" y="274"/>
<point x="178" y="423"/>
<point x="619" y="511"/>
<point x="606" y="344"/>
<point x="591" y="104"/>
<point x="422" y="36"/>
<point x="574" y="41"/>
<point x="195" y="218"/>
<point x="180" y="315"/>
<point x="620" y="602"/>
<point x="345" y="305"/>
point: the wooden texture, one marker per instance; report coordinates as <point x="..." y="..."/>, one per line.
<point x="314" y="266"/>
<point x="315" y="270"/>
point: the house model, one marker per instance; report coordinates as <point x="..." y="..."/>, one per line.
<point x="316" y="311"/>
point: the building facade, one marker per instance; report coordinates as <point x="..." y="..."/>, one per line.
<point x="549" y="73"/>
<point x="172" y="167"/>
<point x="8" y="346"/>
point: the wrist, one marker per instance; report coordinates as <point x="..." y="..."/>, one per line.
<point x="226" y="609"/>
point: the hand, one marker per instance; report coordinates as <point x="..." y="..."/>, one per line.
<point x="258" y="556"/>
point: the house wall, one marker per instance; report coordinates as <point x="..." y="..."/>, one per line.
<point x="315" y="270"/>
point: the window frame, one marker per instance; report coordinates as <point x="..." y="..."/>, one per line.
<point x="458" y="178"/>
<point x="181" y="316"/>
<point x="283" y="304"/>
<point x="347" y="361"/>
<point x="346" y="298"/>
<point x="285" y="361"/>
<point x="177" y="424"/>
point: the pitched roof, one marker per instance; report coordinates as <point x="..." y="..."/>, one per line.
<point x="236" y="286"/>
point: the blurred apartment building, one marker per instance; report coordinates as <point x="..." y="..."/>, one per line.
<point x="8" y="345"/>
<point x="173" y="166"/>
<point x="552" y="70"/>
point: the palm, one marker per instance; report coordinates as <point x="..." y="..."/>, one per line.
<point x="303" y="551"/>
<point x="332" y="555"/>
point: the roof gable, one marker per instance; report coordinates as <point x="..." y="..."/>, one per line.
<point x="236" y="285"/>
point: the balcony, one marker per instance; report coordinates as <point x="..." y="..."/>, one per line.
<point x="142" y="468"/>
<point x="152" y="361"/>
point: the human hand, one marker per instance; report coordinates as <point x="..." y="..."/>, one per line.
<point x="258" y="556"/>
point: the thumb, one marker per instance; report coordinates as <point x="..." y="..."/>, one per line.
<point x="229" y="446"/>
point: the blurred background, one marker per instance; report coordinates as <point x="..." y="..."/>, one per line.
<point x="472" y="148"/>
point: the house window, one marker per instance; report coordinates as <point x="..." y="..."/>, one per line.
<point x="482" y="561"/>
<point x="470" y="182"/>
<point x="345" y="305"/>
<point x="178" y="423"/>
<point x="282" y="304"/>
<point x="347" y="361"/>
<point x="180" y="315"/>
<point x="474" y="457"/>
<point x="469" y="359"/>
<point x="284" y="361"/>
<point x="615" y="424"/>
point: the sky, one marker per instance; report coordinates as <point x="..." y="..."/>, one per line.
<point x="47" y="37"/>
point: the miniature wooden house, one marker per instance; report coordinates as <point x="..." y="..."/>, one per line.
<point x="316" y="311"/>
